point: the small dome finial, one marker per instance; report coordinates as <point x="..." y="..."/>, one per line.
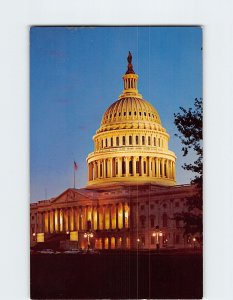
<point x="130" y="66"/>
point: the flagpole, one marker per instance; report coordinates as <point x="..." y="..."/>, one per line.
<point x="74" y="177"/>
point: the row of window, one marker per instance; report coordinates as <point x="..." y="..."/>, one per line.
<point x="153" y="224"/>
<point x="149" y="141"/>
<point x="129" y="113"/>
<point x="177" y="204"/>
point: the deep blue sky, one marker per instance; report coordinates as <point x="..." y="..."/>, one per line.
<point x="76" y="73"/>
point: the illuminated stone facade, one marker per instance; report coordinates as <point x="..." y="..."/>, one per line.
<point x="131" y="194"/>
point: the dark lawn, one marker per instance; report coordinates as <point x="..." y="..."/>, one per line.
<point x="116" y="275"/>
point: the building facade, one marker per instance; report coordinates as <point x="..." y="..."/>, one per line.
<point x="131" y="196"/>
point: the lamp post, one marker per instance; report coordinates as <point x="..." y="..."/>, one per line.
<point x="157" y="233"/>
<point x="194" y="242"/>
<point x="88" y="235"/>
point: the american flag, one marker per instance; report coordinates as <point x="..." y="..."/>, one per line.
<point x="75" y="166"/>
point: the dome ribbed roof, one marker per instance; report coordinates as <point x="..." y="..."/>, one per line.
<point x="130" y="109"/>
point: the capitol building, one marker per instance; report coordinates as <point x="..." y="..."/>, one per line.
<point x="131" y="196"/>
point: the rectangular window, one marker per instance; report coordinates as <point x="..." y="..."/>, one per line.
<point x="143" y="140"/>
<point x="123" y="140"/>
<point x="136" y="140"/>
<point x="130" y="140"/>
<point x="148" y="140"/>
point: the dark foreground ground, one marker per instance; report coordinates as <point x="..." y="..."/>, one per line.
<point x="119" y="275"/>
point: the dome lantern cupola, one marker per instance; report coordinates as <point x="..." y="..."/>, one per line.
<point x="131" y="145"/>
<point x="130" y="81"/>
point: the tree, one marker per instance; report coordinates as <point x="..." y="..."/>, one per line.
<point x="189" y="125"/>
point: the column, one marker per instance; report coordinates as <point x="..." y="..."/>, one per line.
<point x="110" y="216"/>
<point x="120" y="166"/>
<point x="123" y="215"/>
<point x="104" y="168"/>
<point x="49" y="221"/>
<point x="98" y="221"/>
<point x="89" y="172"/>
<point x="126" y="159"/>
<point x="71" y="219"/>
<point x="80" y="217"/>
<point x="134" y="165"/>
<point x="85" y="217"/>
<point x="110" y="167"/>
<point x="167" y="168"/>
<point x="142" y="166"/>
<point x="92" y="218"/>
<point x="94" y="166"/>
<point x="92" y="170"/>
<point x="162" y="167"/>
<point x="150" y="169"/>
<point x="174" y="172"/>
<point x="58" y="219"/>
<point x="98" y="162"/>
<point x="103" y="209"/>
<point x="54" y="220"/>
<point x="158" y="167"/>
<point x="113" y="167"/>
<point x="153" y="166"/>
<point x="117" y="216"/>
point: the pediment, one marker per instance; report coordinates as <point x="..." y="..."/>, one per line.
<point x="69" y="196"/>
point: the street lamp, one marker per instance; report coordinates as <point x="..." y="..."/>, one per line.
<point x="88" y="235"/>
<point x="157" y="233"/>
<point x="194" y="242"/>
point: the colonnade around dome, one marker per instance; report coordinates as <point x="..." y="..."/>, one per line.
<point x="131" y="166"/>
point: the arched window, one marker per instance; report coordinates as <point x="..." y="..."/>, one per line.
<point x="106" y="142"/>
<point x="136" y="139"/>
<point x="123" y="140"/>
